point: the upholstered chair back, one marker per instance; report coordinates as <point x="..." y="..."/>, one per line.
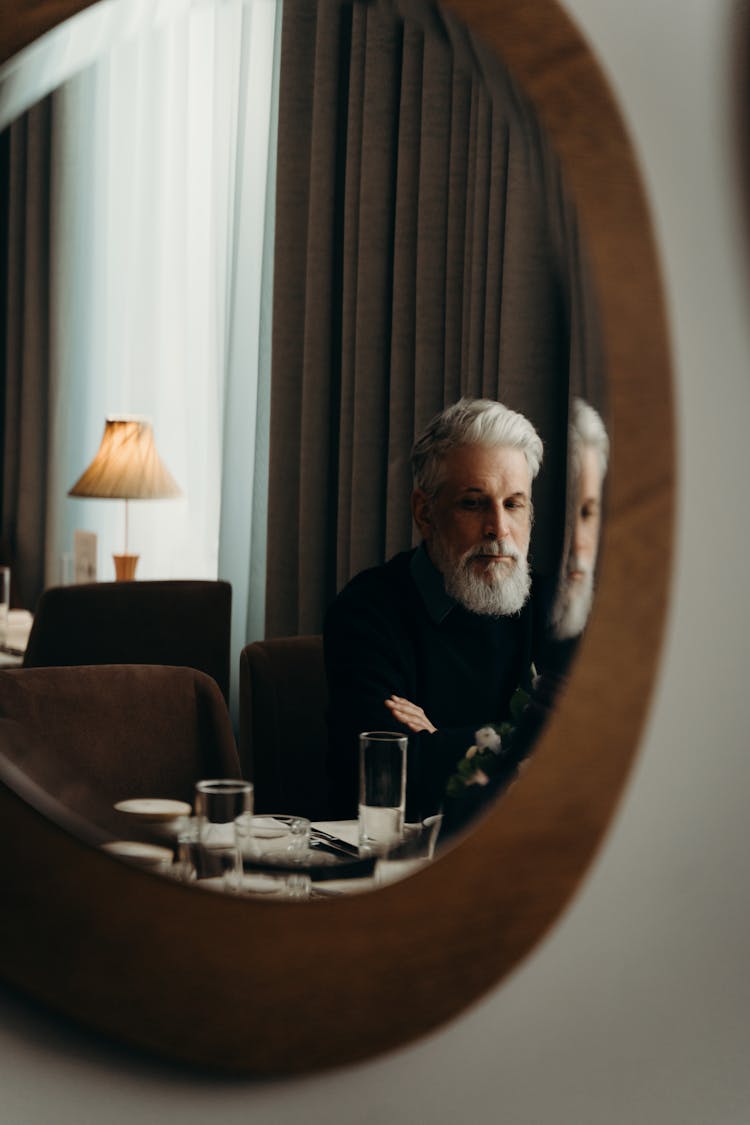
<point x="184" y="622"/>
<point x="94" y="735"/>
<point x="283" y="731"/>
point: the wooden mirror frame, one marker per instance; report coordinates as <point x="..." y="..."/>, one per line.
<point x="273" y="988"/>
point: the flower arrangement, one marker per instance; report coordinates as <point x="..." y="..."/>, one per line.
<point x="491" y="753"/>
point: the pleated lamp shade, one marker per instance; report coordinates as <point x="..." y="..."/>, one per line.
<point x="127" y="467"/>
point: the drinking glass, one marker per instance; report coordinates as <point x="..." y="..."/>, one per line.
<point x="284" y="840"/>
<point x="187" y="861"/>
<point x="4" y="603"/>
<point x="414" y="851"/>
<point x="382" y="790"/>
<point x="219" y="803"/>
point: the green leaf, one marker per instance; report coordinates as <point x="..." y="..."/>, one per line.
<point x="518" y="703"/>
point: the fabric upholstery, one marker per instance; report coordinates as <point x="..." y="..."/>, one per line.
<point x="184" y="623"/>
<point x="283" y="732"/>
<point x="94" y="735"/>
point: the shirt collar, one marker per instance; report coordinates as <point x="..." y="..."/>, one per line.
<point x="429" y="581"/>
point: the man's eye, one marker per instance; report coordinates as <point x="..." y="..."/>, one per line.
<point x="469" y="503"/>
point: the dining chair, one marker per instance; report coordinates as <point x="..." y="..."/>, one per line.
<point x="92" y="735"/>
<point x="185" y="623"/>
<point x="283" y="732"/>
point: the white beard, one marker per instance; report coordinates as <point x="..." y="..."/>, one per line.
<point x="573" y="601"/>
<point x="501" y="592"/>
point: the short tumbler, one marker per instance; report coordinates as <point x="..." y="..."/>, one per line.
<point x="219" y="803"/>
<point x="282" y="840"/>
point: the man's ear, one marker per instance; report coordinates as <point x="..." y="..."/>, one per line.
<point x="421" y="513"/>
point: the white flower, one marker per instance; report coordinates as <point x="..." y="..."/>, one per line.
<point x="488" y="739"/>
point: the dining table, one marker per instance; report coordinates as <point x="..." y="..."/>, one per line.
<point x="331" y="866"/>
<point x="339" y="867"/>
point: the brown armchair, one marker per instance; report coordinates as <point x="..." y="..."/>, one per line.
<point x="283" y="730"/>
<point x="184" y="623"/>
<point x="93" y="735"/>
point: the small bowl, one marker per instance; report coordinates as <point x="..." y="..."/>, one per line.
<point x="154" y="808"/>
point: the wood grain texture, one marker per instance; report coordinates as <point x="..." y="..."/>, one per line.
<point x="263" y="988"/>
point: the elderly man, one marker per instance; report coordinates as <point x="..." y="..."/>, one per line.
<point x="435" y="642"/>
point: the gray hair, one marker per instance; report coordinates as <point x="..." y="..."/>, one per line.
<point x="471" y="421"/>
<point x="587" y="431"/>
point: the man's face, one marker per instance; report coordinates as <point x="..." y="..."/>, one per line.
<point x="477" y="528"/>
<point x="576" y="589"/>
<point x="585" y="540"/>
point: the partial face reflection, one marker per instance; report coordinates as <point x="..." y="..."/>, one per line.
<point x="585" y="541"/>
<point x="576" y="591"/>
<point x="477" y="527"/>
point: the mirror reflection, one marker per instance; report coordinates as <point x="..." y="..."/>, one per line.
<point x="357" y="326"/>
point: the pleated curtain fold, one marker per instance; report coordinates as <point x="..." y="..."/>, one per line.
<point x="25" y="155"/>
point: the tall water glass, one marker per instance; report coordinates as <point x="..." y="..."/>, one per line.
<point x="382" y="790"/>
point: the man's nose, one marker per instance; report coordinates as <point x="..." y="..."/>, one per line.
<point x="581" y="537"/>
<point x="496" y="524"/>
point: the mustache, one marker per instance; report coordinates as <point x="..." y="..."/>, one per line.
<point x="574" y="563"/>
<point x="493" y="549"/>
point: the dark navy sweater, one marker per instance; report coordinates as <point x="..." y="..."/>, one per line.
<point x="381" y="640"/>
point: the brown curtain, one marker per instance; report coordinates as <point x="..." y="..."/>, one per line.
<point x="421" y="232"/>
<point x="24" y="318"/>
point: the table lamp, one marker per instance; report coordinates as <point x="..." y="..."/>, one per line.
<point x="126" y="467"/>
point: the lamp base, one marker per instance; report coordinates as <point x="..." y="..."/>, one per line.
<point x="125" y="567"/>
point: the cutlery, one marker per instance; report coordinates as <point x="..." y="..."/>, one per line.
<point x="325" y="839"/>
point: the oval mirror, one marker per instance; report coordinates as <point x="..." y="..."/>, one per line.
<point x="458" y="926"/>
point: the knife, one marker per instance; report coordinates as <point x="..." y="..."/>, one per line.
<point x="318" y="836"/>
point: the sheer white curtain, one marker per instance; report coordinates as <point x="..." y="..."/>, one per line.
<point x="162" y="177"/>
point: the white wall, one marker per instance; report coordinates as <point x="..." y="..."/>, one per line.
<point x="637" y="1007"/>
